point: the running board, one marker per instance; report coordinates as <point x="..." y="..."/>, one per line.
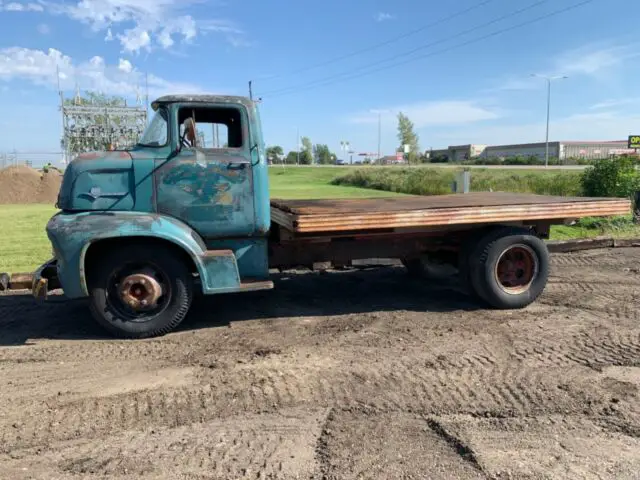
<point x="252" y="285"/>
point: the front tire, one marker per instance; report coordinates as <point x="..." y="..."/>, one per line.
<point x="140" y="291"/>
<point x="509" y="268"/>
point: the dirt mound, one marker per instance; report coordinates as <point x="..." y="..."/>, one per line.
<point x="26" y="185"/>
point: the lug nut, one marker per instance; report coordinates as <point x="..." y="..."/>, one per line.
<point x="143" y="303"/>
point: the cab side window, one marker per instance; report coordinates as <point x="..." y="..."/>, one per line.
<point x="211" y="127"/>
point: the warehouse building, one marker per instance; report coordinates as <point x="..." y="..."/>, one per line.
<point x="562" y="150"/>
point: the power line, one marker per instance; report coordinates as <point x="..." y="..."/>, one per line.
<point x="386" y="42"/>
<point x="413" y="50"/>
<point x="331" y="80"/>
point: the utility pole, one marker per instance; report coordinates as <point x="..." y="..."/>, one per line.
<point x="548" y="79"/>
<point x="298" y="146"/>
<point x="250" y="89"/>
<point x="379" y="113"/>
<point x="379" y="133"/>
<point x="146" y="95"/>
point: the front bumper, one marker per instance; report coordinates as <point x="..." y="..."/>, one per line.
<point x="45" y="278"/>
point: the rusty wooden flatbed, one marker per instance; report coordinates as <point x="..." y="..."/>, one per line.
<point x="311" y="216"/>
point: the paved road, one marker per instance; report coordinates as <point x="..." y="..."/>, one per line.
<point x="344" y="375"/>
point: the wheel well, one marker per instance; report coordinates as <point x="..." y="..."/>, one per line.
<point x="97" y="249"/>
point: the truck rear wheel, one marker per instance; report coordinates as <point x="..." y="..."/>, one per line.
<point x="139" y="291"/>
<point x="509" y="268"/>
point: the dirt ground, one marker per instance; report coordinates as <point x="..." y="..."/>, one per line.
<point x="25" y="185"/>
<point x="342" y="375"/>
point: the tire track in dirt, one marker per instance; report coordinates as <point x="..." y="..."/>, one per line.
<point x="588" y="348"/>
<point x="546" y="446"/>
<point x="398" y="386"/>
<point x="595" y="259"/>
<point x="617" y="300"/>
<point x="389" y="445"/>
<point x="262" y="446"/>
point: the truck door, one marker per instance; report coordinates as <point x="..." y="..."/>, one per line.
<point x="208" y="184"/>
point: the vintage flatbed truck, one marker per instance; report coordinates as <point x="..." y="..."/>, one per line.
<point x="141" y="231"/>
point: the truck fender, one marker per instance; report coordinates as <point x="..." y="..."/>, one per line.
<point x="75" y="234"/>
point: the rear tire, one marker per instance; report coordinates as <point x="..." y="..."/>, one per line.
<point x="509" y="268"/>
<point x="163" y="268"/>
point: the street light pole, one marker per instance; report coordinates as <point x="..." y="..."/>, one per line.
<point x="548" y="79"/>
<point x="298" y="146"/>
<point x="379" y="112"/>
<point x="546" y="154"/>
<point x="379" y="134"/>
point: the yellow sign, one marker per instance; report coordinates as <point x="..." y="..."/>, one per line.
<point x="634" y="141"/>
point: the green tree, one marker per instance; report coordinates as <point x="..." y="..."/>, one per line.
<point x="307" y="145"/>
<point x="96" y="99"/>
<point x="274" y="152"/>
<point x="616" y="177"/>
<point x="323" y="155"/>
<point x="408" y="136"/>
<point x="303" y="157"/>
<point x="306" y="157"/>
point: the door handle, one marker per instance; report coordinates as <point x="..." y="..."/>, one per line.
<point x="236" y="166"/>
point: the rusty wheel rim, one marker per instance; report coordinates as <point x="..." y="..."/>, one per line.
<point x="138" y="292"/>
<point x="516" y="269"/>
<point x="141" y="291"/>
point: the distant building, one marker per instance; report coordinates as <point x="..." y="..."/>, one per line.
<point x="562" y="150"/>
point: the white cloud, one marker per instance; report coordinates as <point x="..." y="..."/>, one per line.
<point x="593" y="59"/>
<point x="21" y="7"/>
<point x="43" y="29"/>
<point x="14" y="7"/>
<point x="184" y="26"/>
<point x="517" y="83"/>
<point x="125" y="66"/>
<point x="383" y="17"/>
<point x="39" y="68"/>
<point x="109" y="36"/>
<point x="430" y="114"/>
<point x="616" y="103"/>
<point x="591" y="126"/>
<point x="147" y="22"/>
<point x="135" y="39"/>
<point x="97" y="62"/>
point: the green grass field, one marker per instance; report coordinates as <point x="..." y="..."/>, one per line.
<point x="23" y="241"/>
<point x="24" y="244"/>
<point x="315" y="182"/>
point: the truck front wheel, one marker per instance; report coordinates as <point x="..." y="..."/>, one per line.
<point x="139" y="292"/>
<point x="509" y="268"/>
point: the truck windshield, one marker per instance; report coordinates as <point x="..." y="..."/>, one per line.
<point x="155" y="135"/>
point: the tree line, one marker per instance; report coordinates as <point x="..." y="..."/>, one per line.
<point x="321" y="153"/>
<point x="307" y="155"/>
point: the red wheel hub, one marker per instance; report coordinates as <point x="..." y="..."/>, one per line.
<point x="516" y="269"/>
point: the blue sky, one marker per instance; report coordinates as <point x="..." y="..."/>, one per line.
<point x="326" y="68"/>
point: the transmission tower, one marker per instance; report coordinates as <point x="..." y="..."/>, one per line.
<point x="88" y="127"/>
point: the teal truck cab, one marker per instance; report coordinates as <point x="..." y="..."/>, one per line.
<point x="187" y="210"/>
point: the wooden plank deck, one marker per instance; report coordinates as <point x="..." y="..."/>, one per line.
<point x="307" y="216"/>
